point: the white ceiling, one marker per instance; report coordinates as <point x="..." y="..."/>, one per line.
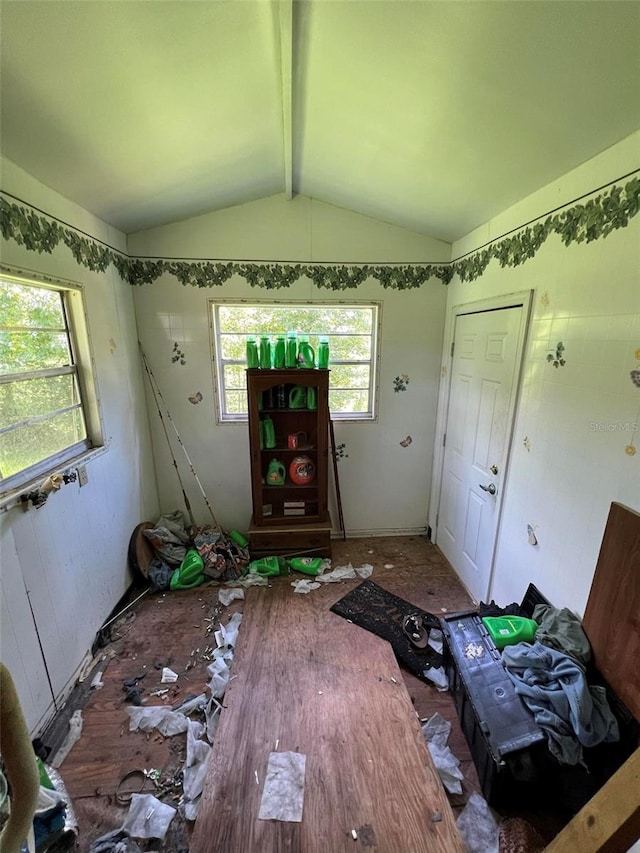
<point x="430" y="114"/>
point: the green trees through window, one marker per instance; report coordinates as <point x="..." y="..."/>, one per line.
<point x="352" y="330"/>
<point x="41" y="407"/>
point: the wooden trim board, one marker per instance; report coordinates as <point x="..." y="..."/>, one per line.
<point x="314" y="683"/>
<point x="611" y="617"/>
<point x="610" y="821"/>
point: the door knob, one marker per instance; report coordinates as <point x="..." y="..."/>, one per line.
<point x="490" y="488"/>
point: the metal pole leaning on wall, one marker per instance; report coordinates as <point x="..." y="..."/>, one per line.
<point x="335" y="477"/>
<point x="166" y="434"/>
<point x="156" y="390"/>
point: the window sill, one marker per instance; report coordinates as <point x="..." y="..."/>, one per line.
<point x="15" y="497"/>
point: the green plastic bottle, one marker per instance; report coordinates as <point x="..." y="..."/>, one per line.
<point x="190" y="573"/>
<point x="252" y="352"/>
<point x="507" y="630"/>
<point x="323" y="352"/>
<point x="269" y="433"/>
<point x="291" y="354"/>
<point x="269" y="567"/>
<point x="265" y="352"/>
<point x="312" y="398"/>
<point x="279" y="353"/>
<point x="306" y="355"/>
<point x="306" y="565"/>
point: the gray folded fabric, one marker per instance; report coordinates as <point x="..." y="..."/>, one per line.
<point x="561" y="629"/>
<point x="554" y="688"/>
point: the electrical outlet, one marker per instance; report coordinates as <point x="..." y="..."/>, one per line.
<point x="83" y="477"/>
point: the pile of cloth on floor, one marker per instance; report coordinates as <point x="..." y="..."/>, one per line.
<point x="219" y="557"/>
<point x="551" y="675"/>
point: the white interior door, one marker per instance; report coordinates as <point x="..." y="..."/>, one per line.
<point x="485" y="361"/>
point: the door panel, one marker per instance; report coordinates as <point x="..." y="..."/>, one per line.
<point x="483" y="373"/>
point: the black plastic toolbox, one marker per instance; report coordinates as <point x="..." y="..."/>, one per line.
<point x="505" y="741"/>
<point x="508" y="748"/>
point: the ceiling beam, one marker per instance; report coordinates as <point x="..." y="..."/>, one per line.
<point x="285" y="24"/>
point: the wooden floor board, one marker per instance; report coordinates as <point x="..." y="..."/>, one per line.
<point x="168" y="628"/>
<point x="319" y="685"/>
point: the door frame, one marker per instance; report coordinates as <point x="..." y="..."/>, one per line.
<point x="522" y="298"/>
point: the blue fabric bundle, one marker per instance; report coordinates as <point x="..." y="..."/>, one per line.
<point x="554" y="688"/>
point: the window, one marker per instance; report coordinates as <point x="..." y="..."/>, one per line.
<point x="49" y="413"/>
<point x="352" y="329"/>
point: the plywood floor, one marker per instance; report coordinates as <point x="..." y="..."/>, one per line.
<point x="310" y="682"/>
<point x="172" y="629"/>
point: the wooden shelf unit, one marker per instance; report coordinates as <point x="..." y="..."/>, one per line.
<point x="286" y="509"/>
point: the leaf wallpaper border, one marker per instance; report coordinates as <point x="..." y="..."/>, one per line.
<point x="583" y="222"/>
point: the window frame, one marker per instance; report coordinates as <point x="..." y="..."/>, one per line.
<point x="83" y="367"/>
<point x="218" y="363"/>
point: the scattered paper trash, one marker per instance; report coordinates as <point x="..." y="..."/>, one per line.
<point x="437" y="676"/>
<point x="195" y="768"/>
<point x="116" y="841"/>
<point x="252" y="579"/>
<point x="229" y="632"/>
<point x="166" y="721"/>
<point x="168" y="675"/>
<point x="436" y="640"/>
<point x="365" y="570"/>
<point x="96" y="681"/>
<point x="148" y="817"/>
<point x="283" y="792"/>
<point x="226" y="596"/>
<point x="304" y="585"/>
<point x="388" y="565"/>
<point x="340" y="573"/>
<point x="478" y="827"/>
<point x="73" y="735"/>
<point x="436" y="732"/>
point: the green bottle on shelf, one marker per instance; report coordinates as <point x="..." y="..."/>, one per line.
<point x="306" y="355"/>
<point x="252" y="352"/>
<point x="265" y="352"/>
<point x="323" y="352"/>
<point x="291" y="352"/>
<point x="279" y="352"/>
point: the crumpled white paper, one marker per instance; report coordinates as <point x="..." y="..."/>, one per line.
<point x="168" y="676"/>
<point x="229" y="632"/>
<point x="148" y="817"/>
<point x="436" y="731"/>
<point x="436" y="640"/>
<point x="478" y="827"/>
<point x="73" y="736"/>
<point x="342" y="573"/>
<point x="226" y="596"/>
<point x="191" y="705"/>
<point x="438" y="677"/>
<point x="195" y="768"/>
<point x="283" y="792"/>
<point x="220" y="668"/>
<point x="305" y="585"/>
<point x="146" y="719"/>
<point x="252" y="579"/>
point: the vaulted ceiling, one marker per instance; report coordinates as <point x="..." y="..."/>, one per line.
<point x="426" y="114"/>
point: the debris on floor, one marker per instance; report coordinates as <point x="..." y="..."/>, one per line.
<point x="75" y="730"/>
<point x="478" y="826"/>
<point x="148" y="817"/>
<point x="436" y="732"/>
<point x="283" y="792"/>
